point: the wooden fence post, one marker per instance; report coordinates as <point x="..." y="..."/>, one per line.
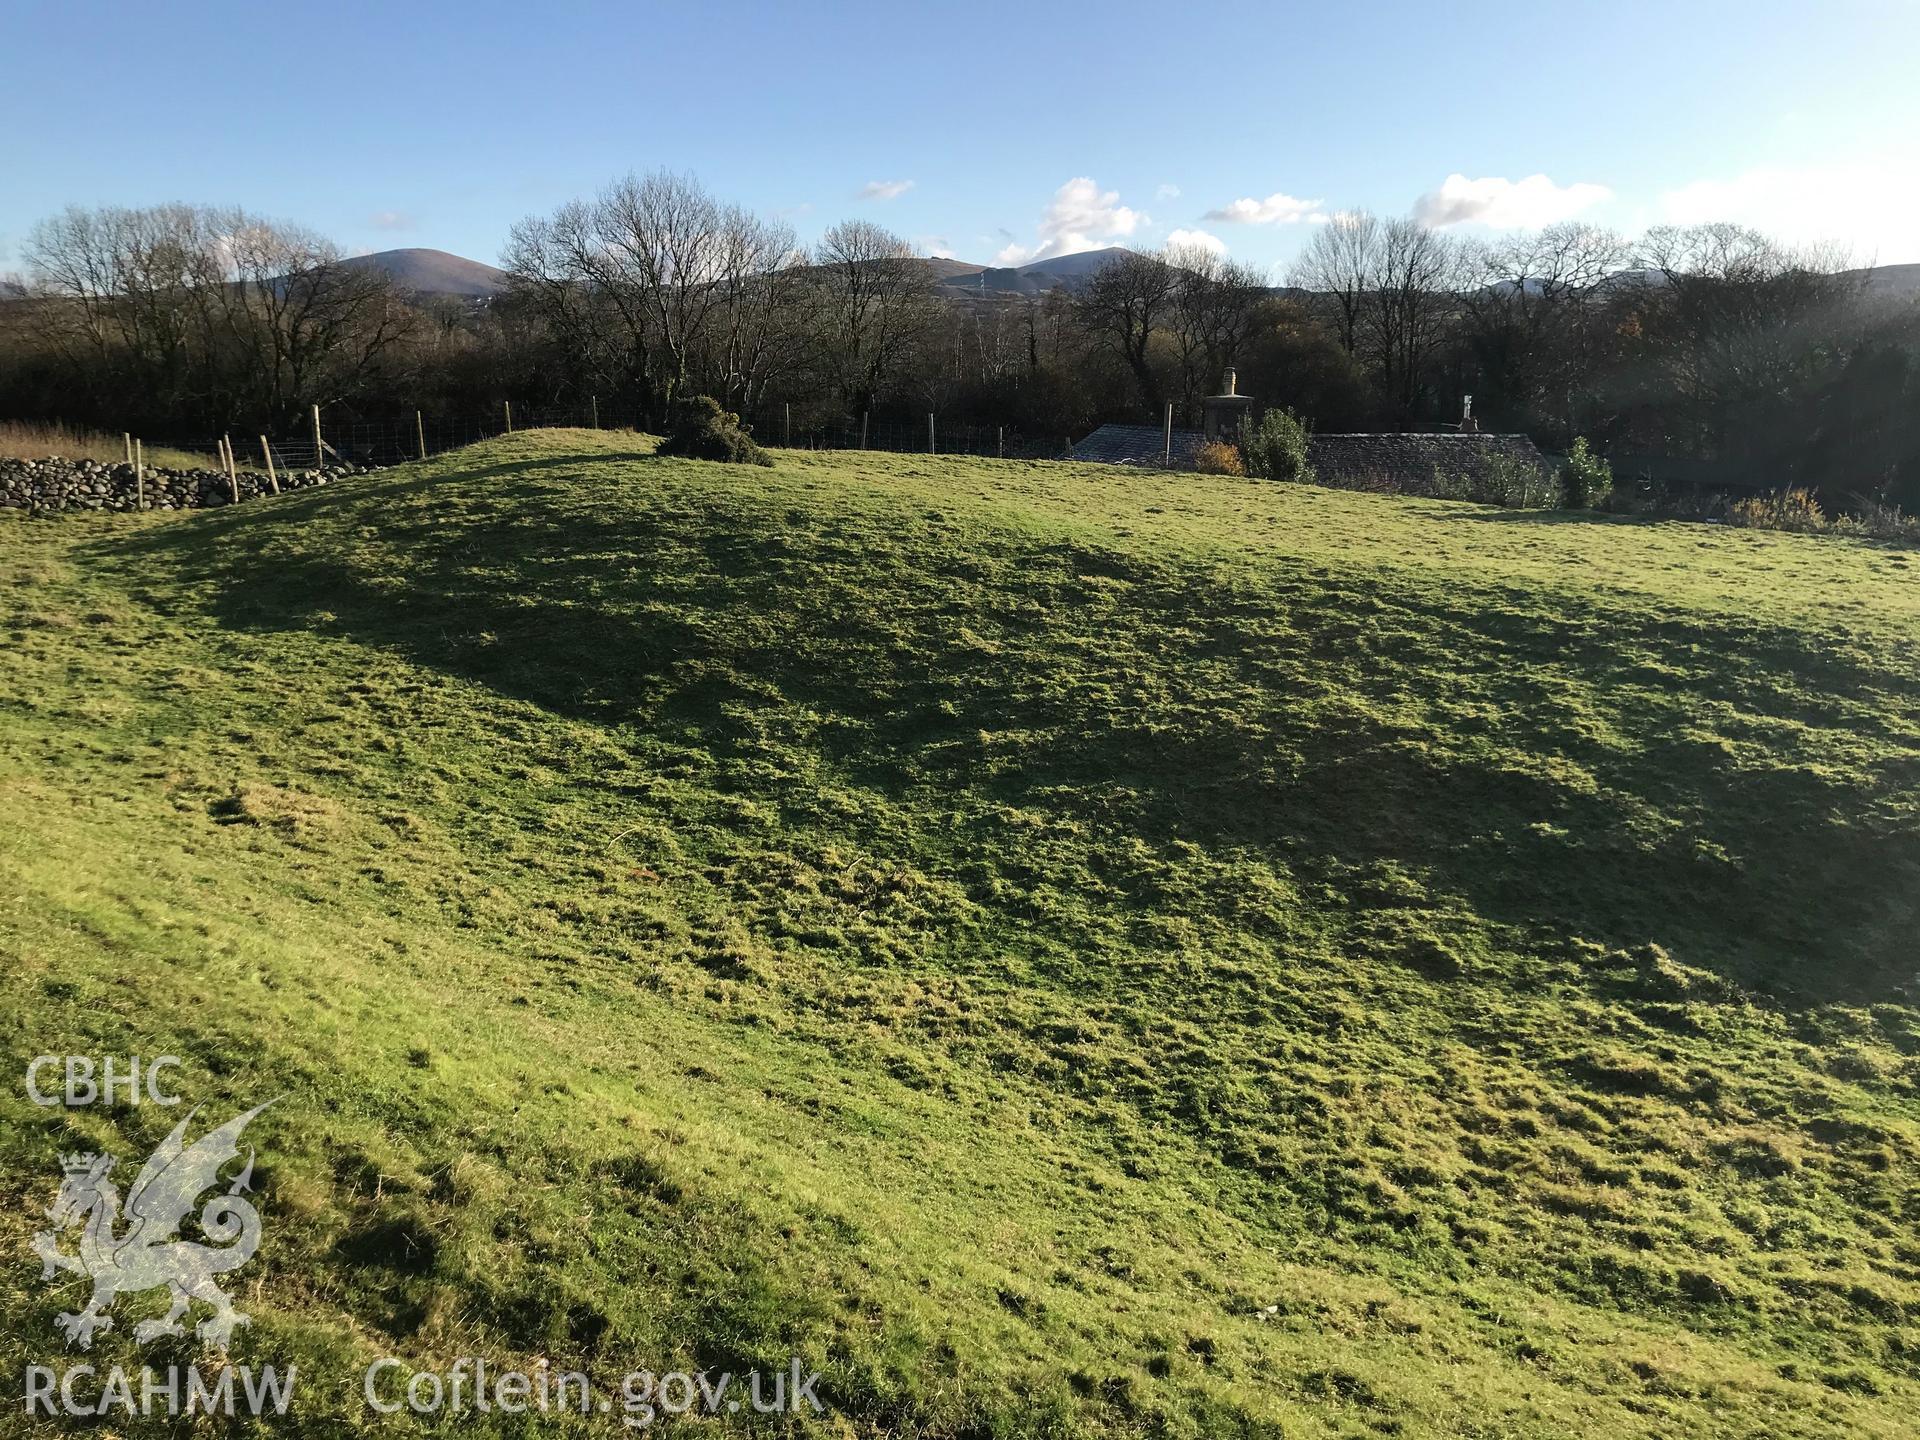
<point x="1000" y="444"/>
<point x="1166" y="458"/>
<point x="596" y="412"/>
<point x="319" y="454"/>
<point x="233" y="471"/>
<point x="266" y="454"/>
<point x="786" y="425"/>
<point x="139" y="474"/>
<point x="126" y="436"/>
<point x="931" y="448"/>
<point x="508" y="405"/>
<point x="420" y="433"/>
<point x="864" y="414"/>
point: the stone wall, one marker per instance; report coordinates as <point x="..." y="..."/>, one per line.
<point x="57" y="484"/>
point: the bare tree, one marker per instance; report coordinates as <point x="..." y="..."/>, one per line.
<point x="1412" y="295"/>
<point x="647" y="261"/>
<point x="127" y="278"/>
<point x="756" y="334"/>
<point x="299" y="327"/>
<point x="669" y="236"/>
<point x="1214" y="304"/>
<point x="1536" y="318"/>
<point x="1340" y="265"/>
<point x="873" y="301"/>
<point x="558" y="270"/>
<point x="1732" y="322"/>
<point x="212" y="312"/>
<point x="1123" y="305"/>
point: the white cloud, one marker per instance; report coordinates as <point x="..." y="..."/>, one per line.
<point x="1503" y="204"/>
<point x="1081" y="216"/>
<point x="391" y="220"/>
<point x="1873" y="209"/>
<point x="1167" y="192"/>
<point x="1277" y="209"/>
<point x="885" y="189"/>
<point x="1196" y="239"/>
<point x="938" y="246"/>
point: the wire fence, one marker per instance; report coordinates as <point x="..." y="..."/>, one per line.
<point x="395" y="439"/>
<point x="926" y="435"/>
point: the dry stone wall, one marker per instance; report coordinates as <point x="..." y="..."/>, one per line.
<point x="58" y="484"/>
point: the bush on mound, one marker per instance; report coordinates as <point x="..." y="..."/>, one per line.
<point x="706" y="432"/>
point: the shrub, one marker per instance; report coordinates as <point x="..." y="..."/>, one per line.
<point x="704" y="431"/>
<point x="1780" y="510"/>
<point x="1585" y="479"/>
<point x="1216" y="457"/>
<point x="1517" y="484"/>
<point x="1883" y="522"/>
<point x="1276" y="447"/>
<point x="1449" y="486"/>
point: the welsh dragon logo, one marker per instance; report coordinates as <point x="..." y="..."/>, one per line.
<point x="150" y="1252"/>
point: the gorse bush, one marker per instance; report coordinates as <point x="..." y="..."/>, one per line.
<point x="1798" y="510"/>
<point x="704" y="431"/>
<point x="1275" y="447"/>
<point x="1795" y="510"/>
<point x="1516" y="484"/>
<point x="1447" y="485"/>
<point x="1883" y="522"/>
<point x="1216" y="457"/>
<point x="1586" y="480"/>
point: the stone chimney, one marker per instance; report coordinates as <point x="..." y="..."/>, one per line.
<point x="1222" y="413"/>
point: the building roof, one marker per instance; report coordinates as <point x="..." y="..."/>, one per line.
<point x="1139" y="445"/>
<point x="1389" y="458"/>
<point x="1405" y="459"/>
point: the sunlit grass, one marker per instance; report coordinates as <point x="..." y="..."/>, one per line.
<point x="1064" y="951"/>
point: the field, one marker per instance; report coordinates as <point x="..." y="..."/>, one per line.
<point x="1062" y="951"/>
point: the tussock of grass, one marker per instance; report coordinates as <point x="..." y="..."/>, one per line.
<point x="1064" y="951"/>
<point x="20" y="440"/>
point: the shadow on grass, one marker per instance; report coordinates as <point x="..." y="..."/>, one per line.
<point x="1494" y="515"/>
<point x="1553" y="772"/>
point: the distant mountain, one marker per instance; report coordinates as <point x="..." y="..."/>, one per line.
<point x="945" y="267"/>
<point x="435" y="272"/>
<point x="1894" y="282"/>
<point x="1062" y="272"/>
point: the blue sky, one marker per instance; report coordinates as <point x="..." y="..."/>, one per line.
<point x="990" y="131"/>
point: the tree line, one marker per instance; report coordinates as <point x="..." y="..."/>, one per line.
<point x="1713" y="343"/>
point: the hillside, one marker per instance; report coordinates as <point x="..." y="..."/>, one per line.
<point x="1898" y="282"/>
<point x="435" y="272"/>
<point x="1068" y="272"/>
<point x="1063" y="951"/>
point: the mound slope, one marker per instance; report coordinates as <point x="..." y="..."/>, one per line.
<point x="1062" y="951"/>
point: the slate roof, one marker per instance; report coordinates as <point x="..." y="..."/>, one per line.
<point x="1139" y="445"/>
<point x="1408" y="460"/>
<point x="1386" y="460"/>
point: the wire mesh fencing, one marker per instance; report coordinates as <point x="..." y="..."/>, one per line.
<point x="394" y="439"/>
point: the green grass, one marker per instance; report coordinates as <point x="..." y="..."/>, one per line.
<point x="1064" y="951"/>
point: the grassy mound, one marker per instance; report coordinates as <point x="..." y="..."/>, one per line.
<point x="1063" y="951"/>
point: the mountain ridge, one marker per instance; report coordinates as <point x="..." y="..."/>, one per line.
<point x="428" y="271"/>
